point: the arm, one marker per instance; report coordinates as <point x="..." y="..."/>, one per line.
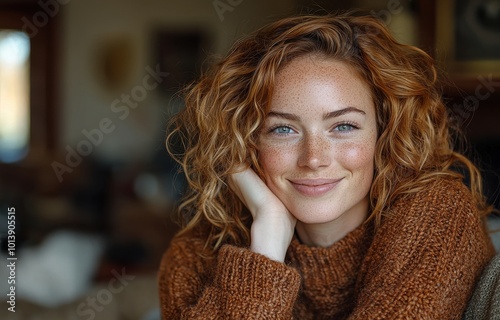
<point x="425" y="258"/>
<point x="237" y="284"/>
<point x="273" y="225"/>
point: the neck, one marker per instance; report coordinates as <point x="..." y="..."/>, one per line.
<point x="326" y="234"/>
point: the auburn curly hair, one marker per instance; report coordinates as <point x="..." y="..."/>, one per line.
<point x="225" y="108"/>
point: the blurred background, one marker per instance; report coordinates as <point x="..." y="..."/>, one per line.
<point x="86" y="90"/>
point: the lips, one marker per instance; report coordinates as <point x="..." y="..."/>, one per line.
<point x="314" y="187"/>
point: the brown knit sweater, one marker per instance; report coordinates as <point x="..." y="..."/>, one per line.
<point x="422" y="263"/>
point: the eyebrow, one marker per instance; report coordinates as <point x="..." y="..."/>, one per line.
<point x="328" y="115"/>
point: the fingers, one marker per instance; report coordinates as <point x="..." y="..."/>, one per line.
<point x="248" y="186"/>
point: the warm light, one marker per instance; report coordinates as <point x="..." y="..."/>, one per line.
<point x="14" y="95"/>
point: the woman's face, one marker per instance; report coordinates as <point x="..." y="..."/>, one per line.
<point x="318" y="141"/>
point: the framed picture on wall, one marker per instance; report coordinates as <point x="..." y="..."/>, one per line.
<point x="468" y="37"/>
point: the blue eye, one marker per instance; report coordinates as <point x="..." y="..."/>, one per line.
<point x="282" y="130"/>
<point x="344" y="127"/>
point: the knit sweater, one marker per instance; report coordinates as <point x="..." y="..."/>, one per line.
<point x="421" y="263"/>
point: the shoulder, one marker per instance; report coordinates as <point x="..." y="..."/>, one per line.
<point x="441" y="197"/>
<point x="438" y="224"/>
<point x="444" y="211"/>
<point x="427" y="253"/>
<point x="441" y="216"/>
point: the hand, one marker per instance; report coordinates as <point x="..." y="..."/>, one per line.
<point x="273" y="225"/>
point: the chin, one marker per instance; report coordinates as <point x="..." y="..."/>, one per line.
<point x="317" y="218"/>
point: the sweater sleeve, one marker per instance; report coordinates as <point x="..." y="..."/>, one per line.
<point x="425" y="258"/>
<point x="239" y="284"/>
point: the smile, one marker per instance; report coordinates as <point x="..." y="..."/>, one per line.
<point x="314" y="187"/>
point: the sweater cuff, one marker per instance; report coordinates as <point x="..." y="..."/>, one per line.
<point x="241" y="272"/>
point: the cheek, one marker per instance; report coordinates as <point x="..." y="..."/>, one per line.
<point x="273" y="158"/>
<point x="359" y="157"/>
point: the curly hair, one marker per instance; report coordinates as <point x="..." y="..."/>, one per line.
<point x="225" y="108"/>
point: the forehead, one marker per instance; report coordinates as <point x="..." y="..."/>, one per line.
<point x="314" y="80"/>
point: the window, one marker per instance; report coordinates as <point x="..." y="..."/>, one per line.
<point x="14" y="95"/>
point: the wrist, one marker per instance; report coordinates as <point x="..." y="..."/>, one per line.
<point x="270" y="241"/>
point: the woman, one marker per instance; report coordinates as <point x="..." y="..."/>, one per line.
<point x="323" y="183"/>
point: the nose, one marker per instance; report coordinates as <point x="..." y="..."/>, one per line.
<point x="315" y="152"/>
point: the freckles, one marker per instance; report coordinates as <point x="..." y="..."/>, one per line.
<point x="357" y="155"/>
<point x="273" y="157"/>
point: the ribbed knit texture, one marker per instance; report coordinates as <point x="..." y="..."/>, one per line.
<point x="421" y="263"/>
